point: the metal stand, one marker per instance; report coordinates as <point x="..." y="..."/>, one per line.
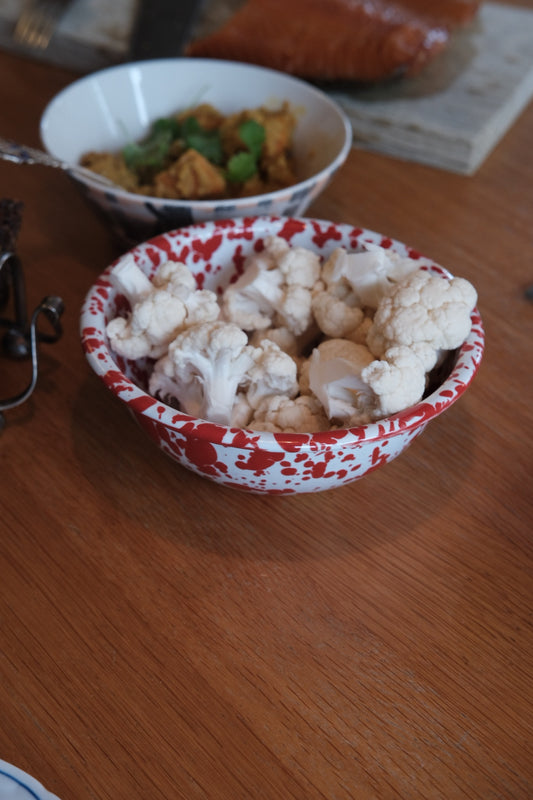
<point x="21" y="337"/>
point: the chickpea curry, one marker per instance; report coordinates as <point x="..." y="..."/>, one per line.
<point x="202" y="154"/>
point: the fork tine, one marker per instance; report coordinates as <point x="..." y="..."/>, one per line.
<point x="37" y="21"/>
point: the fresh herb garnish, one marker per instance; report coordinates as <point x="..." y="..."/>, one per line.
<point x="151" y="153"/>
<point x="206" y="142"/>
<point x="252" y="133"/>
<point x="243" y="166"/>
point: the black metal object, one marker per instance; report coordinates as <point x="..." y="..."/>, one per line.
<point x="15" y="342"/>
<point x="22" y="335"/>
<point x="162" y="28"/>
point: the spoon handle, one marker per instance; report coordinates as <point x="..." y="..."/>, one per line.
<point x="21" y="154"/>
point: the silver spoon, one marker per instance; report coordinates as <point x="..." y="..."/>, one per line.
<point x="20" y="154"/>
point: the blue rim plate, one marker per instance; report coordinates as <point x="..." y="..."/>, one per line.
<point x="18" y="785"/>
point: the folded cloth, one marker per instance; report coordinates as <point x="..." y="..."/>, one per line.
<point x="337" y="39"/>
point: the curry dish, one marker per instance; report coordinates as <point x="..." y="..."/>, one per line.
<point x="202" y="154"/>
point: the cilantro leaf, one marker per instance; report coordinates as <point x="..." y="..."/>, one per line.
<point x="207" y="143"/>
<point x="244" y="165"/>
<point x="241" y="167"/>
<point x="151" y="153"/>
<point x="253" y="135"/>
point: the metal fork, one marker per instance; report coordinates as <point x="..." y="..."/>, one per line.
<point x="37" y="22"/>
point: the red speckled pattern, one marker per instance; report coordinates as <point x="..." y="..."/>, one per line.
<point x="261" y="462"/>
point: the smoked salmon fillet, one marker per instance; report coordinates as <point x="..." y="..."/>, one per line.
<point x="326" y="40"/>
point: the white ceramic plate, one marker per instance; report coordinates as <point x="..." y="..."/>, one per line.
<point x="18" y="785"/>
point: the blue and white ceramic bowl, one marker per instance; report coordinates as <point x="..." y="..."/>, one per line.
<point x="118" y="105"/>
<point x="18" y="785"/>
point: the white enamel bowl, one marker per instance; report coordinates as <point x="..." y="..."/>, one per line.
<point x="105" y="110"/>
<point x="261" y="462"/>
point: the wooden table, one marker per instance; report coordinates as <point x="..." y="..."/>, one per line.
<point x="164" y="637"/>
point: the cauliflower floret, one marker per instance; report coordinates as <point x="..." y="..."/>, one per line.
<point x="176" y="278"/>
<point x="251" y="301"/>
<point x="336" y="317"/>
<point x="274" y="250"/>
<point x="274" y="289"/>
<point x="203" y="369"/>
<point x="294" y="310"/>
<point x="300" y="269"/>
<point x="335" y="368"/>
<point x="282" y="336"/>
<point x="242" y="411"/>
<point x="371" y="274"/>
<point x="352" y="282"/>
<point x="129" y="279"/>
<point x="428" y="355"/>
<point x="423" y="308"/>
<point x="272" y="373"/>
<point x="153" y="323"/>
<point x="201" y="306"/>
<point x="303" y="376"/>
<point x="280" y="414"/>
<point x="298" y="265"/>
<point x="360" y="333"/>
<point x="160" y="308"/>
<point x="398" y="381"/>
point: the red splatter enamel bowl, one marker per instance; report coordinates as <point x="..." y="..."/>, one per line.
<point x="258" y="461"/>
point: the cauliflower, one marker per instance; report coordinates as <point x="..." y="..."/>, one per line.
<point x="294" y="310"/>
<point x="352" y="282"/>
<point x="129" y="279"/>
<point x="336" y="316"/>
<point x="335" y="369"/>
<point x="298" y="265"/>
<point x="280" y="413"/>
<point x="303" y="376"/>
<point x="160" y="309"/>
<point x="203" y="369"/>
<point x="359" y="334"/>
<point x="243" y="362"/>
<point x="272" y="373"/>
<point x="283" y="337"/>
<point x="423" y="309"/>
<point x="242" y="411"/>
<point x="251" y="301"/>
<point x="370" y="274"/>
<point x="274" y="289"/>
<point x="398" y="380"/>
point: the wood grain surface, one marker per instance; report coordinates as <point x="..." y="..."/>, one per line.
<point x="165" y="637"/>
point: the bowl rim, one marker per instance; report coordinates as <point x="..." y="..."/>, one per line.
<point x="256" y="200"/>
<point x="466" y="365"/>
